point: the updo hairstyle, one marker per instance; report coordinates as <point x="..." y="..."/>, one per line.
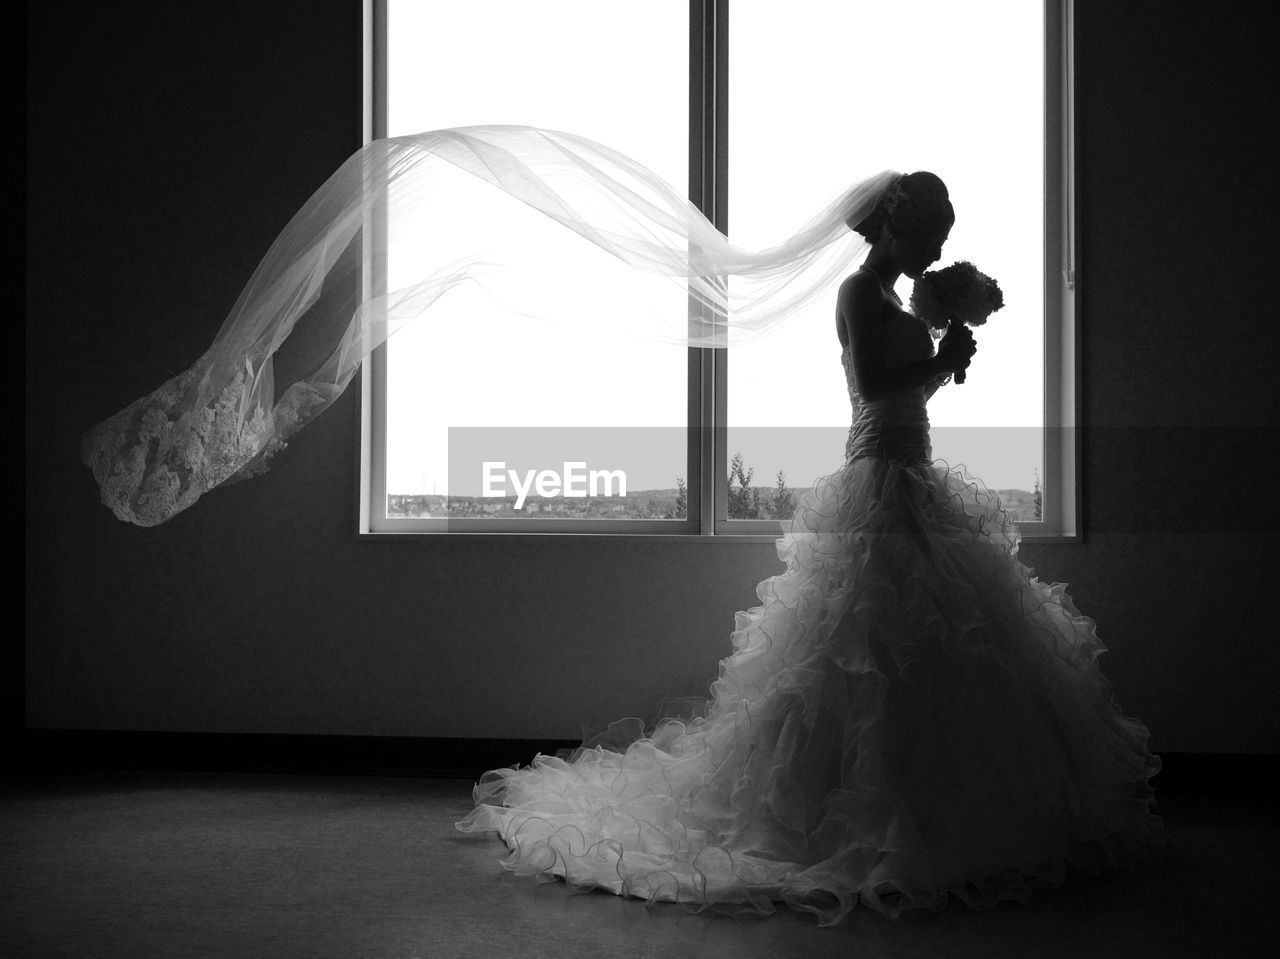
<point x="909" y="202"/>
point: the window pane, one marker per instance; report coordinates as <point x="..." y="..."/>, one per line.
<point x="614" y="72"/>
<point x="917" y="84"/>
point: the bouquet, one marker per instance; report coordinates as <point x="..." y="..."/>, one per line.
<point x="956" y="292"/>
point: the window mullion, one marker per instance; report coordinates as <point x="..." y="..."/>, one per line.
<point x="708" y="190"/>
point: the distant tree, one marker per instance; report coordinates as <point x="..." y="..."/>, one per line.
<point x="1036" y="495"/>
<point x="784" y="504"/>
<point x="744" y="502"/>
<point x="681" y="509"/>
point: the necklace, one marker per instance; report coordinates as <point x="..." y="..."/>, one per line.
<point x="883" y="285"/>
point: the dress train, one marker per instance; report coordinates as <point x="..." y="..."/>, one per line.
<point x="909" y="714"/>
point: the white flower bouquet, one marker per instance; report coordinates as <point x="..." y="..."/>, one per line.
<point x="956" y="292"/>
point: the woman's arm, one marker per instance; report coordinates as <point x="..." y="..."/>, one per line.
<point x="936" y="384"/>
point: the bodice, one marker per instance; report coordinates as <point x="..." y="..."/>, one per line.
<point x="895" y="426"/>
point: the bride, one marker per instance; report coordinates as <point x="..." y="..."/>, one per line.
<point x="908" y="715"/>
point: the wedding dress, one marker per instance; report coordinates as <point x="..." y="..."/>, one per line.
<point x="909" y="714"/>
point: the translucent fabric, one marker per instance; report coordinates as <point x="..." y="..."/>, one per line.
<point x="321" y="294"/>
<point x="909" y="715"/>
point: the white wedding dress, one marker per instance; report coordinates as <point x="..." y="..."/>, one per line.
<point x="909" y="714"/>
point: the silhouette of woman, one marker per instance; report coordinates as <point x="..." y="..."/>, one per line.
<point x="908" y="715"/>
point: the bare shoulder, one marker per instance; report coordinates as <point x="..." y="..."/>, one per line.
<point x="858" y="292"/>
<point x="857" y="280"/>
<point x="859" y="304"/>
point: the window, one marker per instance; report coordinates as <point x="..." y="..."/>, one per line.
<point x="763" y="78"/>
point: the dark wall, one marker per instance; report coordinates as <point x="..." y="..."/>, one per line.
<point x="1178" y="243"/>
<point x="167" y="143"/>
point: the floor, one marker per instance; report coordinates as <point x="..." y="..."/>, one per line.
<point x="140" y="864"/>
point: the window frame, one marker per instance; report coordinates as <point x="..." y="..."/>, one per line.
<point x="707" y="488"/>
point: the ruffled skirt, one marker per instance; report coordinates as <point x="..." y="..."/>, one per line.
<point x="908" y="715"/>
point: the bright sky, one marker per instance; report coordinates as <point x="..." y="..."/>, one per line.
<point x="822" y="94"/>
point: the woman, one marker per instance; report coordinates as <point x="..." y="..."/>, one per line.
<point x="909" y="714"/>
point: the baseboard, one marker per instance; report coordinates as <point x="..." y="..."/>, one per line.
<point x="454" y="758"/>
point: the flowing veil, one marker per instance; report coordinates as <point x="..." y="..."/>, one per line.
<point x="320" y="296"/>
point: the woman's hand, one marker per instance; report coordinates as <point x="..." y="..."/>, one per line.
<point x="957" y="348"/>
